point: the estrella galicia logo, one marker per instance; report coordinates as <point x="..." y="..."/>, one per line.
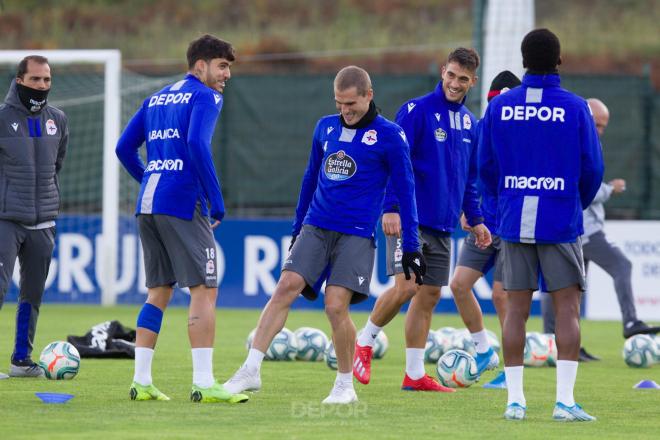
<point x="340" y="166"/>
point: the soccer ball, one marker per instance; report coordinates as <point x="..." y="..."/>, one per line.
<point x="250" y="338"/>
<point x="536" y="350"/>
<point x="552" y="349"/>
<point x="60" y="360"/>
<point x="493" y="340"/>
<point x="444" y="335"/>
<point x="284" y="346"/>
<point x="457" y="369"/>
<point x="331" y="357"/>
<point x="380" y="345"/>
<point x="639" y="351"/>
<point x="312" y="343"/>
<point x="433" y="348"/>
<point x="462" y="340"/>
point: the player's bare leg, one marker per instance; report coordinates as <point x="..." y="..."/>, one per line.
<point x="337" y="302"/>
<point x="275" y="313"/>
<point x="389" y="303"/>
<point x="271" y="321"/>
<point x="466" y="303"/>
<point x="513" y="338"/>
<point x="500" y="301"/>
<point x="386" y="308"/>
<point x="469" y="309"/>
<point x="418" y="324"/>
<point x="566" y="303"/>
<point x="146" y="335"/>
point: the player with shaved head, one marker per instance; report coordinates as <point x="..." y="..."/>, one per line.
<point x="354" y="155"/>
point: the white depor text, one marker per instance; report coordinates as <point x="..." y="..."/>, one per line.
<point x="526" y="112"/>
<point x="170" y="98"/>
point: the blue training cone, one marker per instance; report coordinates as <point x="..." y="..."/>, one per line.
<point x="54" y="397"/>
<point x="647" y="384"/>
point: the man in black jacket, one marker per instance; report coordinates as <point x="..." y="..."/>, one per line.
<point x="33" y="140"/>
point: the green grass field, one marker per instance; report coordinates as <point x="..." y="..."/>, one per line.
<point x="289" y="404"/>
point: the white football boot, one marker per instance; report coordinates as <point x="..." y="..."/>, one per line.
<point x="245" y="379"/>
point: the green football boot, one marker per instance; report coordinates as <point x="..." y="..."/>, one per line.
<point x="148" y="392"/>
<point x="216" y="394"/>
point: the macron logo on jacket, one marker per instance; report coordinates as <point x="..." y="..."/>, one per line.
<point x="523" y="182"/>
<point x="167" y="165"/>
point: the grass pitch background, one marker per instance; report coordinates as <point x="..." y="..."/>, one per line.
<point x="289" y="404"/>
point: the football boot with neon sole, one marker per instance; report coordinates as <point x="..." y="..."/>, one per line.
<point x="146" y="392"/>
<point x="216" y="394"/>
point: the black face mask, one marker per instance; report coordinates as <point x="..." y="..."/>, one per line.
<point x="33" y="100"/>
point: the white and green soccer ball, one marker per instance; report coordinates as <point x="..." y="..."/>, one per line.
<point x="331" y="357"/>
<point x="312" y="344"/>
<point x="493" y="340"/>
<point x="553" y="353"/>
<point x="250" y="338"/>
<point x="433" y="349"/>
<point x="640" y="351"/>
<point x="284" y="346"/>
<point x="445" y="335"/>
<point x="537" y="351"/>
<point x="380" y="345"/>
<point x="60" y="360"/>
<point x="457" y="369"/>
<point x="462" y="340"/>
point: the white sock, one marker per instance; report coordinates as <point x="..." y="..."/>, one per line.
<point x="415" y="363"/>
<point x="566" y="374"/>
<point x="143" y="357"/>
<point x="369" y="334"/>
<point x="346" y="379"/>
<point x="203" y="367"/>
<point x="481" y="341"/>
<point x="514" y="384"/>
<point x="254" y="359"/>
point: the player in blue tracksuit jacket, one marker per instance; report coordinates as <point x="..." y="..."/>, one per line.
<point x="539" y="152"/>
<point x="441" y="134"/>
<point x="179" y="188"/>
<point x="353" y="155"/>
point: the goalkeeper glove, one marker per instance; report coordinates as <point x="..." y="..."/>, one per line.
<point x="415" y="261"/>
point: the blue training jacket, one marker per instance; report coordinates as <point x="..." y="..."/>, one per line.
<point x="344" y="183"/>
<point x="539" y="152"/>
<point x="488" y="200"/>
<point x="443" y="144"/>
<point x="177" y="124"/>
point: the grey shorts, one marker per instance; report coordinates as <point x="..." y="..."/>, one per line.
<point x="178" y="251"/>
<point x="481" y="260"/>
<point x="350" y="260"/>
<point x="437" y="253"/>
<point x="557" y="265"/>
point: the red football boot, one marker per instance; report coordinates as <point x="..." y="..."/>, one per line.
<point x="362" y="363"/>
<point x="425" y="383"/>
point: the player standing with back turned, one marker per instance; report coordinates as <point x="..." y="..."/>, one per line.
<point x="179" y="190"/>
<point x="539" y="152"/>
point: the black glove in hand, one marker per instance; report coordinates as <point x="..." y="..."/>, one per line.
<point x="415" y="261"/>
